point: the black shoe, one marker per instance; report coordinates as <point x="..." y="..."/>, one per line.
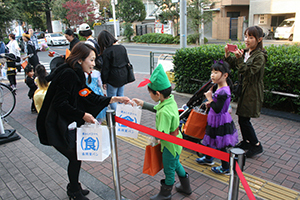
<point x="84" y="192"/>
<point x="77" y="196"/>
<point x="243" y="145"/>
<point x="254" y="150"/>
<point x="33" y="111"/>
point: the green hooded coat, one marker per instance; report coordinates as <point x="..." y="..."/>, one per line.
<point x="251" y="99"/>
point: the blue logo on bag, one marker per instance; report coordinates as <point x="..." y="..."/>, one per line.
<point x="89" y="144"/>
<point x="129" y="119"/>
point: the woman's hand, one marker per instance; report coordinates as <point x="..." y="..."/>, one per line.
<point x="120" y="100"/>
<point x="239" y="53"/>
<point x="138" y="102"/>
<point x="227" y="52"/>
<point x="89" y="118"/>
<point x="104" y="86"/>
<point x="25" y="58"/>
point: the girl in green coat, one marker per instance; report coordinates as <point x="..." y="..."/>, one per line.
<point x="250" y="63"/>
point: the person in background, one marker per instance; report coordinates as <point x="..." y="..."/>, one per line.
<point x="250" y="63"/>
<point x="95" y="83"/>
<point x="42" y="84"/>
<point x="29" y="80"/>
<point x="69" y="100"/>
<point x="115" y="61"/>
<point x="14" y="49"/>
<point x="30" y="50"/>
<point x="34" y="39"/>
<point x="71" y="37"/>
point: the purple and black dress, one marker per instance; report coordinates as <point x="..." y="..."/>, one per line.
<point x="220" y="129"/>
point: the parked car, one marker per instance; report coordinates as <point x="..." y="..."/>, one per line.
<point x="56" y="39"/>
<point x="41" y="39"/>
<point x="285" y="30"/>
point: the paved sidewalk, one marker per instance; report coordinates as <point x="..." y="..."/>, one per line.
<point x="29" y="170"/>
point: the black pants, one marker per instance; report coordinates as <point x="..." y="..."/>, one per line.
<point x="73" y="167"/>
<point x="12" y="80"/>
<point x="247" y="130"/>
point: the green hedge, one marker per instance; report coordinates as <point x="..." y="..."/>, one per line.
<point x="282" y="72"/>
<point x="158" y="38"/>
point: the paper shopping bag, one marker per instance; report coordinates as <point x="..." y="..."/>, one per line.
<point x="153" y="160"/>
<point x="24" y="64"/>
<point x="93" y="142"/>
<point x="195" y="125"/>
<point x="130" y="113"/>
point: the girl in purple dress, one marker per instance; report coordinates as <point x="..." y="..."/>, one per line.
<point x="220" y="130"/>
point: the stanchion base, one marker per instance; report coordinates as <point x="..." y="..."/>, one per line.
<point x="9" y="136"/>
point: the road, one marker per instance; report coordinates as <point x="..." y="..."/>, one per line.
<point x="139" y="55"/>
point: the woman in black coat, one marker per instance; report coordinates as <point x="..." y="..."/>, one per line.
<point x="69" y="100"/>
<point x="114" y="72"/>
<point x="32" y="56"/>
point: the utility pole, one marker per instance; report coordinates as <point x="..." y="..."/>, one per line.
<point x="201" y="39"/>
<point x="183" y="26"/>
<point x="113" y="4"/>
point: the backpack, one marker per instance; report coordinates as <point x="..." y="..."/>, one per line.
<point x="99" y="59"/>
<point x="3" y="48"/>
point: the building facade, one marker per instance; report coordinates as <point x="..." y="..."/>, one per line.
<point x="268" y="14"/>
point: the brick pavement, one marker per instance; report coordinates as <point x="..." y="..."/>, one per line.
<point x="45" y="170"/>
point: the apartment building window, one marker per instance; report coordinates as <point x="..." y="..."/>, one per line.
<point x="233" y="14"/>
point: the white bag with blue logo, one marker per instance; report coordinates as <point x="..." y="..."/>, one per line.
<point x="130" y="113"/>
<point x="93" y="142"/>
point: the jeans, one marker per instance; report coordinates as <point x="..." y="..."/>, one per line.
<point x="247" y="130"/>
<point x="114" y="91"/>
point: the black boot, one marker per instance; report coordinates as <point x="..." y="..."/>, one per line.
<point x="164" y="193"/>
<point x="84" y="192"/>
<point x="184" y="185"/>
<point x="76" y="195"/>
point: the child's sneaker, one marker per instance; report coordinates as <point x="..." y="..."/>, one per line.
<point x="220" y="170"/>
<point x="204" y="161"/>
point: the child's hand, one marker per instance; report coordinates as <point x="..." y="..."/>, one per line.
<point x="208" y="95"/>
<point x="138" y="102"/>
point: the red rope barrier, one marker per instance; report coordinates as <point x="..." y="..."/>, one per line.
<point x="190" y="145"/>
<point x="185" y="143"/>
<point x="244" y="182"/>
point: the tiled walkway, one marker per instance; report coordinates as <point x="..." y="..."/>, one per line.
<point x="29" y="170"/>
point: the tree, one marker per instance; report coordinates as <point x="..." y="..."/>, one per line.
<point x="79" y="13"/>
<point x="196" y="17"/>
<point x="7" y="14"/>
<point x="169" y="11"/>
<point x="105" y="12"/>
<point x="131" y="10"/>
<point x="60" y="12"/>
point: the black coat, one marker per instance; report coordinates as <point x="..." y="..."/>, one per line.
<point x="32" y="86"/>
<point x="63" y="105"/>
<point x="73" y="43"/>
<point x="114" y="71"/>
<point x="33" y="60"/>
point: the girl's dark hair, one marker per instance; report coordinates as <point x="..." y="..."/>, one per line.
<point x="80" y="51"/>
<point x="256" y="32"/>
<point x="28" y="69"/>
<point x="85" y="33"/>
<point x="223" y="67"/>
<point x="41" y="73"/>
<point x="165" y="92"/>
<point x="105" y="40"/>
<point x="70" y="32"/>
<point x="12" y="36"/>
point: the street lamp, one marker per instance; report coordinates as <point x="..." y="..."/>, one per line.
<point x="113" y="4"/>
